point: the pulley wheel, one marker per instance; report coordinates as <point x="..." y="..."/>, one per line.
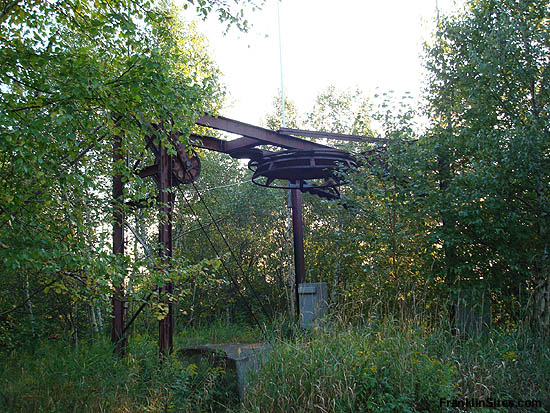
<point x="186" y="168"/>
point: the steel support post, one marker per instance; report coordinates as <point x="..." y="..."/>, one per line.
<point x="166" y="325"/>
<point x="298" y="232"/>
<point x="118" y="299"/>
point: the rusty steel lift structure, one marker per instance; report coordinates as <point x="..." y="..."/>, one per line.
<point x="300" y="166"/>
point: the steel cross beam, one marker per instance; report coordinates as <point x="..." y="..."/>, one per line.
<point x="329" y="135"/>
<point x="234" y="148"/>
<point x="255" y="135"/>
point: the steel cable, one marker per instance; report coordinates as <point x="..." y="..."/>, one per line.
<point x="245" y="278"/>
<point x="233" y="280"/>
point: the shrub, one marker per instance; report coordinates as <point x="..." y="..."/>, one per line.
<point x="59" y="378"/>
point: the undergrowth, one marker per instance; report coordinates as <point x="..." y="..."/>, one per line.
<point x="57" y="378"/>
<point x="382" y="366"/>
<point x="217" y="333"/>
<point x="385" y="367"/>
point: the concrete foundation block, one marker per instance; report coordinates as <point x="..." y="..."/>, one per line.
<point x="313" y="299"/>
<point x="244" y="358"/>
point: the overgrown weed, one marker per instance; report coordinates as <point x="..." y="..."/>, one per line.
<point x="91" y="379"/>
<point x="380" y="365"/>
<point x="390" y="366"/>
<point x="217" y="333"/>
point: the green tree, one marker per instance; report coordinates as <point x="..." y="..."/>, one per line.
<point x="74" y="74"/>
<point x="488" y="102"/>
<point x="274" y="119"/>
<point x="340" y="112"/>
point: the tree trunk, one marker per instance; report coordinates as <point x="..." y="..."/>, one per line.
<point x="93" y="319"/>
<point x="542" y="304"/>
<point x="541" y="313"/>
<point x="74" y="324"/>
<point x="448" y="222"/>
<point x="29" y="302"/>
<point x="98" y="318"/>
<point x="542" y="290"/>
<point x="192" y="309"/>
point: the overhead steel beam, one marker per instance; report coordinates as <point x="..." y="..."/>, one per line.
<point x="149" y="171"/>
<point x="208" y="142"/>
<point x="266" y="136"/>
<point x="241" y="143"/>
<point x="329" y="135"/>
<point x="241" y="149"/>
<point x="220" y="145"/>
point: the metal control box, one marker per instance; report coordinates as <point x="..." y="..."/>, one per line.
<point x="313" y="299"/>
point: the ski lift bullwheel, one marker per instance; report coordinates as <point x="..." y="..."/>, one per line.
<point x="311" y="170"/>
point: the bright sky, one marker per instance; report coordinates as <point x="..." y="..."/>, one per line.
<point x="367" y="44"/>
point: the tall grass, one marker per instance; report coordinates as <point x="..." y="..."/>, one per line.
<point x="503" y="363"/>
<point x="58" y="378"/>
<point x="390" y="368"/>
<point x="380" y="366"/>
<point x="219" y="332"/>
